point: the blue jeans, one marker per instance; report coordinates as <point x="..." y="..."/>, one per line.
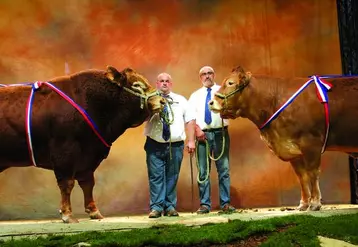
<point x="214" y="139"/>
<point x="163" y="173"/>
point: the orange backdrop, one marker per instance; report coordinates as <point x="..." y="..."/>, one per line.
<point x="285" y="38"/>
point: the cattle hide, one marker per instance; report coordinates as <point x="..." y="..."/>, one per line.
<point x="298" y="134"/>
<point x="61" y="138"/>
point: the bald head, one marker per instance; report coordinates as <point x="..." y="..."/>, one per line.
<point x="164" y="83"/>
<point x="206" y="69"/>
<point x="207" y="76"/>
<point x="164" y="75"/>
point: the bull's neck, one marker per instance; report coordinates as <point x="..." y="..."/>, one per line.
<point x="114" y="111"/>
<point x="259" y="101"/>
<point x="128" y="114"/>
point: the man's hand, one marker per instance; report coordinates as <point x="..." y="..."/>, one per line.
<point x="200" y="135"/>
<point x="191" y="146"/>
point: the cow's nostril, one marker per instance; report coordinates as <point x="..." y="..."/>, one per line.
<point x="211" y="102"/>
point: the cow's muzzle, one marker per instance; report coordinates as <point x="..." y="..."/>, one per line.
<point x="214" y="106"/>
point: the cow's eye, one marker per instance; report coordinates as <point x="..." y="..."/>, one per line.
<point x="230" y="83"/>
<point x="137" y="85"/>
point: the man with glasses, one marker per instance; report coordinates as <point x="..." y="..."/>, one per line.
<point x="164" y="148"/>
<point x="213" y="136"/>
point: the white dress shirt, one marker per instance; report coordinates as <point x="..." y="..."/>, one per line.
<point x="197" y="105"/>
<point x="182" y="115"/>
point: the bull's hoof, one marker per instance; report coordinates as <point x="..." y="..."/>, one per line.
<point x="96" y="215"/>
<point x="69" y="219"/>
<point x="302" y="207"/>
<point x="315" y="207"/>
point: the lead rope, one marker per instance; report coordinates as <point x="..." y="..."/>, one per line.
<point x="208" y="156"/>
<point x="192" y="182"/>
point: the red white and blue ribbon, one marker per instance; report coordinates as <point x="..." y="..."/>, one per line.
<point x="35" y="86"/>
<point x="87" y="118"/>
<point x="322" y="88"/>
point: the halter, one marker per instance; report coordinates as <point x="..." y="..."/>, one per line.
<point x="143" y="97"/>
<point x="239" y="88"/>
<point x="169" y="101"/>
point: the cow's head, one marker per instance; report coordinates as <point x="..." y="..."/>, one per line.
<point x="138" y="85"/>
<point x="228" y="100"/>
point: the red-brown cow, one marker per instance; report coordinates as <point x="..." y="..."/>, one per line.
<point x="301" y="131"/>
<point x="61" y="138"/>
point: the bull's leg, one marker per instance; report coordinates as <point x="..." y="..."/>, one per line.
<point x="316" y="198"/>
<point x="86" y="182"/>
<point x="313" y="172"/>
<point x="66" y="186"/>
<point x="299" y="168"/>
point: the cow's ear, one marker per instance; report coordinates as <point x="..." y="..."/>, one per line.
<point x="248" y="76"/>
<point x="128" y="70"/>
<point x="238" y="69"/>
<point x="114" y="76"/>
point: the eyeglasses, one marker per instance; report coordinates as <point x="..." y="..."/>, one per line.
<point x="207" y="73"/>
<point x="162" y="81"/>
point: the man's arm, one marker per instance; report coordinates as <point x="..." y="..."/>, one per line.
<point x="200" y="135"/>
<point x="190" y="129"/>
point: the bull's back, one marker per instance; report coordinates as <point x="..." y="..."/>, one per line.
<point x="306" y="114"/>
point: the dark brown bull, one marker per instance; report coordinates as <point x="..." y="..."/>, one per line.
<point x="62" y="140"/>
<point x="298" y="133"/>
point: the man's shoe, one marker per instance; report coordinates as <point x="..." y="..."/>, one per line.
<point x="203" y="210"/>
<point x="155" y="214"/>
<point x="171" y="213"/>
<point x="227" y="209"/>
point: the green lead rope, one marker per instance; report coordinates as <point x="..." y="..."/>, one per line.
<point x="168" y="120"/>
<point x="209" y="157"/>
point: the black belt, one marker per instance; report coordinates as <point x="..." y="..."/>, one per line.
<point x="215" y="129"/>
<point x="178" y="143"/>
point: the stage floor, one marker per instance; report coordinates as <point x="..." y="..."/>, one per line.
<point x="16" y="229"/>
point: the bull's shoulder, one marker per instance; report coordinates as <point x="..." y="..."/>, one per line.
<point x="90" y="72"/>
<point x="282" y="80"/>
<point x="343" y="81"/>
<point x="90" y="76"/>
<point x="84" y="73"/>
<point x="14" y="89"/>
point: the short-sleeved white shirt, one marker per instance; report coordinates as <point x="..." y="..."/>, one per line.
<point x="197" y="105"/>
<point x="182" y="115"/>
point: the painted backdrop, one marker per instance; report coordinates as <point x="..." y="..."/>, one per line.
<point x="42" y="39"/>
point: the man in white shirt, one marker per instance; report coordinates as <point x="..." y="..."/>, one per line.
<point x="164" y="148"/>
<point x="209" y="131"/>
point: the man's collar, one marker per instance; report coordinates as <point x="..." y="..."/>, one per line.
<point x="210" y="87"/>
